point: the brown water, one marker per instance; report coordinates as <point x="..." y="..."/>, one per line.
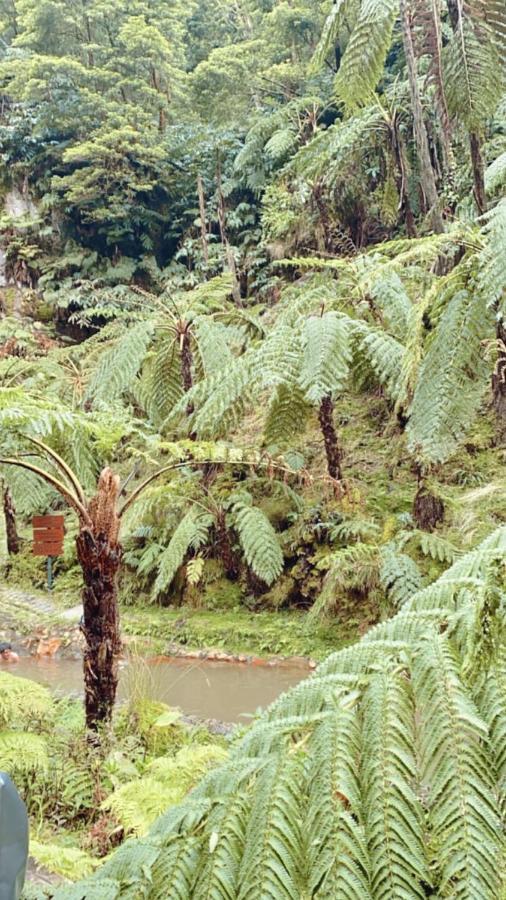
<point x="210" y="690"/>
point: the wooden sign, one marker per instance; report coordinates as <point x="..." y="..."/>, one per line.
<point x="48" y="534"/>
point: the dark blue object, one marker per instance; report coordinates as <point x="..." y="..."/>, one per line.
<point x="13" y="840"/>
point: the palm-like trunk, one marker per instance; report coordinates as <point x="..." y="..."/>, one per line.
<point x="332" y="449"/>
<point x="99" y="554"/>
<point x="427" y="177"/>
<point x="11" y="531"/>
<point x="478" y="167"/>
<point x="499" y="379"/>
<point x="225" y="548"/>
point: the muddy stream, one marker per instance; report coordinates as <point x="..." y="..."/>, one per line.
<point x="229" y="692"/>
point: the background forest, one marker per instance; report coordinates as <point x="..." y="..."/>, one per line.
<point x="253" y="258"/>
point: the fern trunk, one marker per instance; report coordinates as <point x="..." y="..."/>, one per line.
<point x="478" y="168"/>
<point x="427" y="177"/>
<point x="428" y="510"/>
<point x="332" y="449"/>
<point x="225" y="548"/>
<point x="11" y="531"/>
<point x="499" y="379"/>
<point x="99" y="554"/>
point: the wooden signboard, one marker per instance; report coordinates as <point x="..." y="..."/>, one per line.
<point x="48" y="533"/>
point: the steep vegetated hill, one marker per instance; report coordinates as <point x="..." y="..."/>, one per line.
<point x="253" y="259"/>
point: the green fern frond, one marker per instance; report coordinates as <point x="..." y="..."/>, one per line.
<point x="491" y="260"/>
<point x="22" y="753"/>
<point x="259" y="542"/>
<point x="286" y="414"/>
<point x="474" y="62"/>
<point x="23" y="702"/>
<point x="327" y="355"/>
<point x="120" y="363"/>
<point x="364" y="57"/>
<point x="399" y="575"/>
<point x="391" y="806"/>
<point x="189" y="534"/>
<point x="273" y="836"/>
<point x="337" y="854"/>
<point x="456" y="776"/>
<point x="452" y="380"/>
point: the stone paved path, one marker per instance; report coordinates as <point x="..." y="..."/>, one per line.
<point x="12" y="599"/>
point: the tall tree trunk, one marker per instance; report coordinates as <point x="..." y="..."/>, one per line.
<point x="11" y="531"/>
<point x="427" y="177"/>
<point x="332" y="450"/>
<point x="478" y="167"/>
<point x="223" y="235"/>
<point x="401" y="176"/>
<point x="202" y="216"/>
<point x="499" y="380"/>
<point x="99" y="554"/>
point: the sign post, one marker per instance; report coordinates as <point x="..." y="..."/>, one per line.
<point x="48" y="533"/>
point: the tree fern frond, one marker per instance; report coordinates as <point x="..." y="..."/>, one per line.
<point x="452" y="380"/>
<point x="456" y="776"/>
<point x="213" y="348"/>
<point x="399" y="575"/>
<point x="327" y="356"/>
<point x="491" y="260"/>
<point x="189" y="534"/>
<point x="286" y="414"/>
<point x="119" y="364"/>
<point x="337" y="855"/>
<point x="474" y="62"/>
<point x="330" y="35"/>
<point x="259" y="542"/>
<point x="273" y="836"/>
<point x="364" y="57"/>
<point x="392" y="811"/>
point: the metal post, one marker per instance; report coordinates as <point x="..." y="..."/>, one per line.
<point x="50" y="573"/>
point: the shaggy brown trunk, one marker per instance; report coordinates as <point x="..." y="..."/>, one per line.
<point x="427" y="177"/>
<point x="202" y="216"/>
<point x="99" y="554"/>
<point x="224" y="545"/>
<point x="428" y="510"/>
<point x="499" y="380"/>
<point x="478" y="172"/>
<point x="323" y="215"/>
<point x="11" y="531"/>
<point x="186" y="365"/>
<point x="332" y="450"/>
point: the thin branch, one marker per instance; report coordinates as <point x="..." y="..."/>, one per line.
<point x="62" y="489"/>
<point x="62" y="465"/>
